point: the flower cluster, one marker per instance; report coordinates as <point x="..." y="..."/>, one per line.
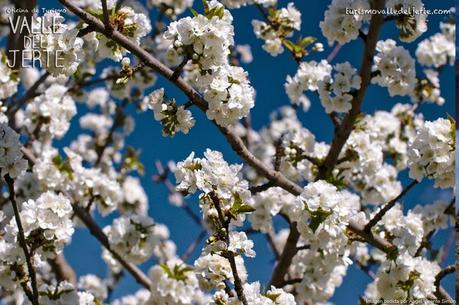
<point x="307" y="77"/>
<point x="206" y="41"/>
<point x="88" y="186"/>
<point x="132" y="84"/>
<point x="173" y="283"/>
<point x="11" y="161"/>
<point x="281" y="24"/>
<point x="229" y="94"/>
<point x="433" y="215"/>
<point x="428" y="89"/>
<point x="135" y="237"/>
<point x="268" y="204"/>
<point x="141" y="297"/>
<point x="322" y="208"/>
<point x="213" y="175"/>
<point x="412" y="23"/>
<point x="128" y="22"/>
<point x="322" y="214"/>
<point x="61" y="51"/>
<point x="432" y="153"/>
<point x="342" y="21"/>
<point x="212" y="270"/>
<point x="65" y="293"/>
<point x="344" y="81"/>
<point x="94" y="285"/>
<point x="254" y="295"/>
<point x="439" y="49"/>
<point x="363" y="168"/>
<point x="393" y="131"/>
<point x="174" y="118"/>
<point x="49" y="114"/>
<point x="8" y="79"/>
<point x="406" y="230"/>
<point x="135" y="198"/>
<point x="394" y="68"/>
<point x="238" y="244"/>
<point x="47" y="223"/>
<point x="320" y="274"/>
<point x="288" y="142"/>
<point x="408" y="278"/>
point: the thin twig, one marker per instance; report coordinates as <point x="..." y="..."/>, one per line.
<point x="108" y="25"/>
<point x="439" y="293"/>
<point x="97" y="232"/>
<point x="426" y="239"/>
<point x="230" y="256"/>
<point x="22" y="241"/>
<point x="388" y="206"/>
<point x="291" y="282"/>
<point x="161" y="177"/>
<point x="190" y="249"/>
<point x="334" y="52"/>
<point x="30" y="93"/>
<point x="85" y="31"/>
<point x="179" y="69"/>
<point x="117" y="122"/>
<point x="261" y="188"/>
<point x="270" y="238"/>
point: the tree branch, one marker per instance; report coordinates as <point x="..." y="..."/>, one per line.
<point x="108" y="25"/>
<point x="30" y="93"/>
<point x="426" y="239"/>
<point x="97" y="232"/>
<point x="286" y="257"/>
<point x="440" y="293"/>
<point x="22" y="242"/>
<point x="179" y="69"/>
<point x="62" y="269"/>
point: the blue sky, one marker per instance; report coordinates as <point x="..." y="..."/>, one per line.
<point x="267" y="75"/>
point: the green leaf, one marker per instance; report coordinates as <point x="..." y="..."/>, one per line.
<point x="206" y="6"/>
<point x="218" y="11"/>
<point x="272" y="296"/>
<point x="239" y="207"/>
<point x="178" y="273"/>
<point x="63" y="166"/>
<point x="317" y="217"/>
<point x="303" y="43"/>
<point x="289" y="45"/>
<point x="193" y="11"/>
